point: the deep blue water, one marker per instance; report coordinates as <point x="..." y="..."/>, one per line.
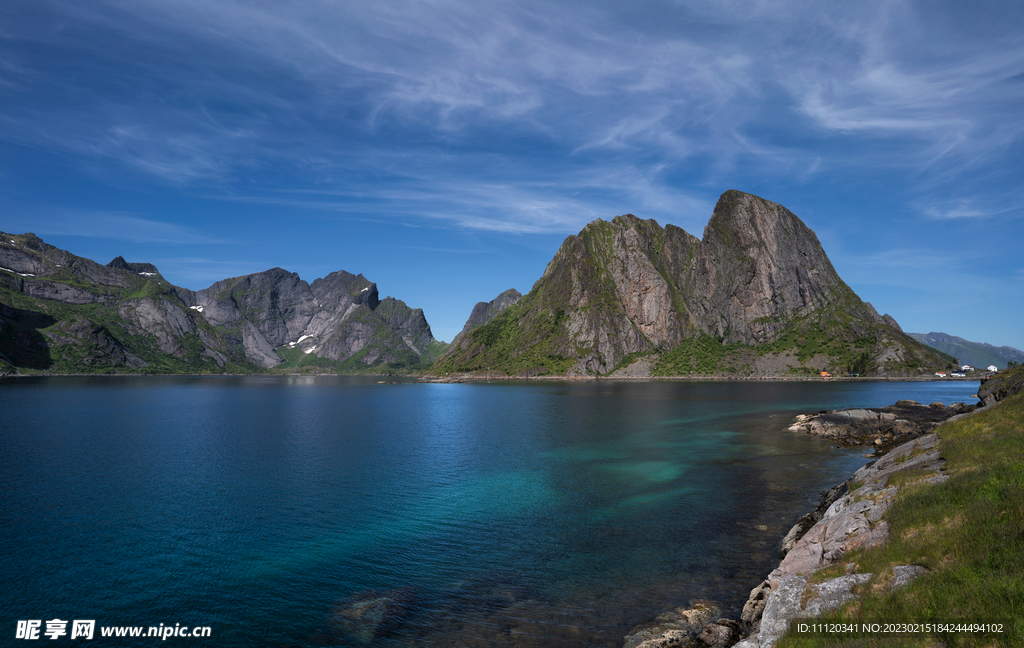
<point x="542" y="514"/>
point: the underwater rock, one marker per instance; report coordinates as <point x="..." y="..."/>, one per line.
<point x="371" y="614"/>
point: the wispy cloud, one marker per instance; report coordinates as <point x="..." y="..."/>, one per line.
<point x="516" y="108"/>
<point x="531" y="206"/>
<point x="934" y="271"/>
<point x="956" y="211"/>
<point x="109" y="225"/>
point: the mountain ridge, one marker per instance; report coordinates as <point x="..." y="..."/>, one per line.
<point x="68" y="314"/>
<point x="977" y="354"/>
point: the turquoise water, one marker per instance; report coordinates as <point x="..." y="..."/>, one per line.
<point x="542" y="514"/>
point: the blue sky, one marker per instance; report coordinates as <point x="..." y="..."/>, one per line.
<point x="445" y="149"/>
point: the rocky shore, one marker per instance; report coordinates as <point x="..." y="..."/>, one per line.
<point x="883" y="427"/>
<point x="850" y="516"/>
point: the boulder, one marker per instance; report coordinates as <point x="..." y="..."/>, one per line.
<point x="683" y="628"/>
<point x="371" y="614"/>
<point x="905" y="574"/>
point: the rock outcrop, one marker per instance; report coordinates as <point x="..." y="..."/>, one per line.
<point x="758" y="282"/>
<point x="884" y="427"/>
<point x="698" y="626"/>
<point x="1003" y="384"/>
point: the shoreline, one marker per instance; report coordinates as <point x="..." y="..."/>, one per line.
<point x="505" y="378"/>
<point x="763" y="620"/>
<point x="773" y="378"/>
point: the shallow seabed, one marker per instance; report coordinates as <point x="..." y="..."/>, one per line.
<point x="335" y="511"/>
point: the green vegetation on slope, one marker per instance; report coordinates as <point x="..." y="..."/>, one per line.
<point x="45" y="336"/>
<point x="701" y="355"/>
<point x="520" y="341"/>
<point x="977" y="354"/>
<point x="969" y="532"/>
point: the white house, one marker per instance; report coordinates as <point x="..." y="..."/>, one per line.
<point x="967" y="368"/>
<point x="993" y="368"/>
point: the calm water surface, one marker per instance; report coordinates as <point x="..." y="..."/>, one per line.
<point x="271" y="508"/>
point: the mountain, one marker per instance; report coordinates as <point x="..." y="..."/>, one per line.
<point x="484" y="312"/>
<point x="976" y="354"/>
<point x="60" y="313"/>
<point x="756" y="295"/>
<point x="337" y="322"/>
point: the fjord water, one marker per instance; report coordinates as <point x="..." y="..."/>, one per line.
<point x="541" y="513"/>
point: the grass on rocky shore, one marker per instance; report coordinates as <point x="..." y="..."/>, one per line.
<point x="968" y="532"/>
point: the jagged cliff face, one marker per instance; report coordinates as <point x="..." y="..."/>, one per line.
<point x="65" y="313"/>
<point x="339" y="317"/>
<point x="60" y="312"/>
<point x="630" y="287"/>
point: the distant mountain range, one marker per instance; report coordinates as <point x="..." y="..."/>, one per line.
<point x="60" y="313"/>
<point x="756" y="296"/>
<point x="976" y="354"/>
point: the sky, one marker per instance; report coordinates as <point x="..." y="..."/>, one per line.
<point x="444" y="150"/>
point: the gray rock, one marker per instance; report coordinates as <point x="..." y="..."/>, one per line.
<point x="257" y="348"/>
<point x="805" y="523"/>
<point x="885" y="427"/>
<point x="785" y="604"/>
<point x="905" y="574"/>
<point x="1002" y="385"/>
<point x="782" y="607"/>
<point x="723" y="632"/>
<point x="336" y="317"/>
<point x="754" y="607"/>
<point x="165" y="320"/>
<point x="833" y="594"/>
<point x="682" y="627"/>
<point x="892" y="322"/>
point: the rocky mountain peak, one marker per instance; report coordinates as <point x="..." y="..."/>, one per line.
<point x="629" y="286"/>
<point x="343" y="286"/>
<point x="484" y="312"/>
<point x="144" y="269"/>
<point x="118" y="263"/>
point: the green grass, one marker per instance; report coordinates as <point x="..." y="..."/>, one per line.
<point x="968" y="531"/>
